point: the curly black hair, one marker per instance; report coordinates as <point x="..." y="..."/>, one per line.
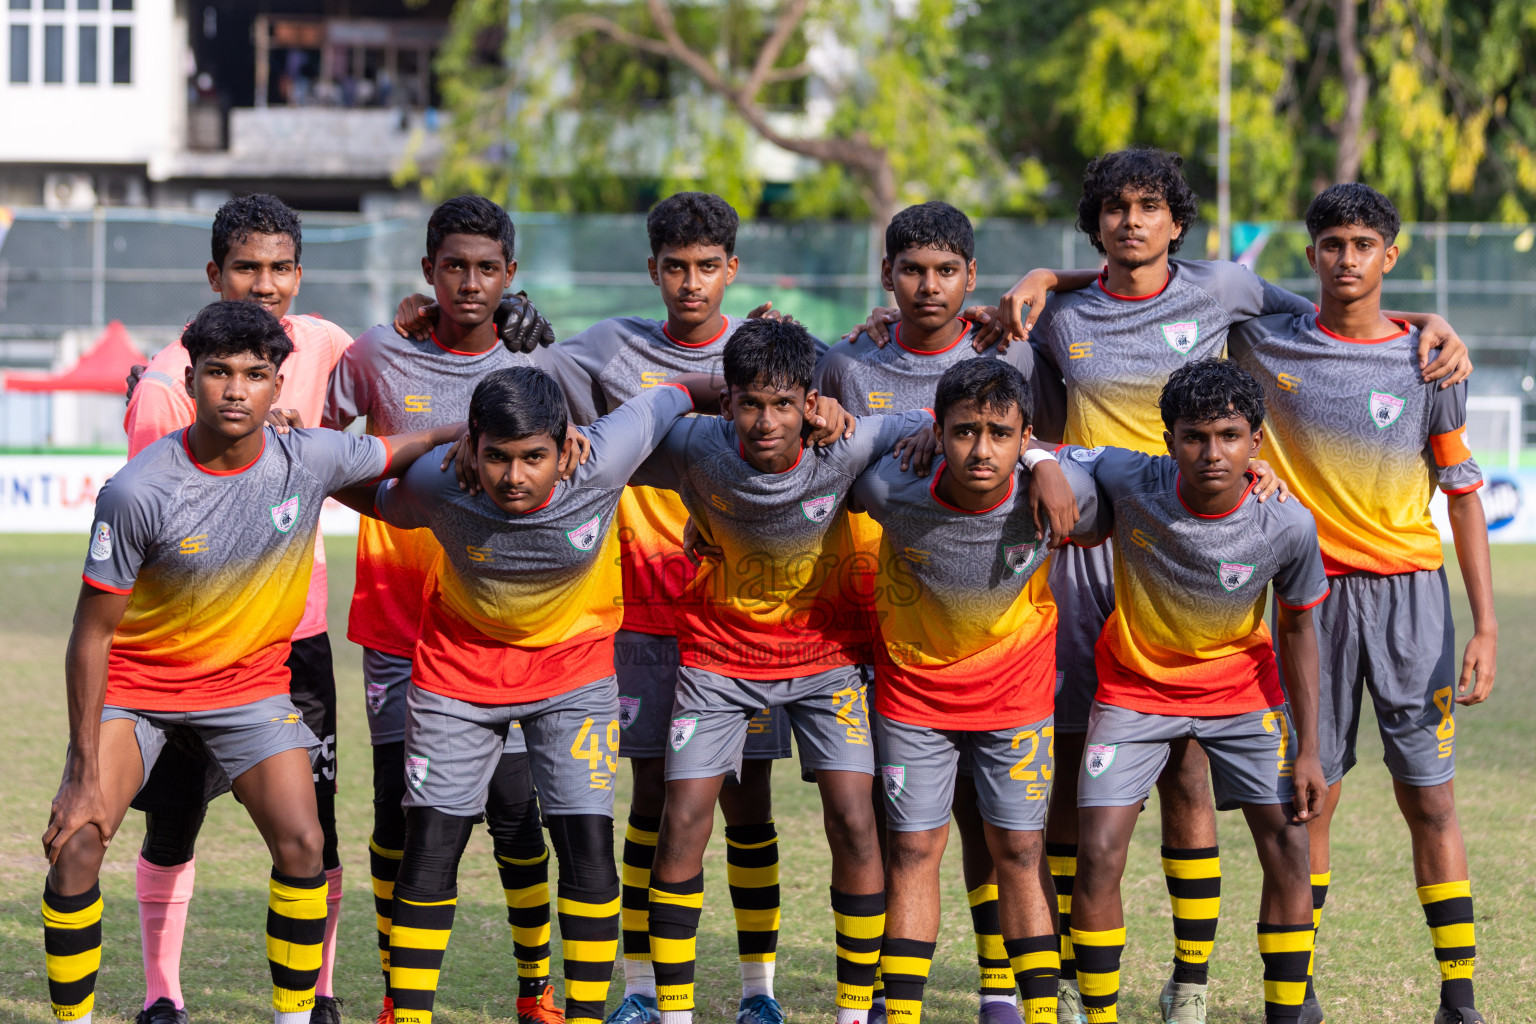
<point x="989" y="383"/>
<point x="692" y="218"/>
<point x="470" y="215"/>
<point x="228" y="327"/>
<point x="1353" y="203"/>
<point x="770" y="353"/>
<point x="257" y="214"/>
<point x="931" y="226"/>
<point x="1143" y="169"/>
<point x="515" y="402"/>
<point x="1211" y="389"/>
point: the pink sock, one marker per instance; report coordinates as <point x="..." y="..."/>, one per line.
<point x="332" y="915"/>
<point x="163" y="897"/>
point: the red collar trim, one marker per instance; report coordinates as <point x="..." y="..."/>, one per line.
<point x="545" y="504"/>
<point x="458" y="352"/>
<point x="964" y="332"/>
<point x="1402" y="325"/>
<point x="933" y="492"/>
<point x="742" y="450"/>
<point x="1252" y="482"/>
<point x="725" y="325"/>
<point x="1104" y="276"/>
<point x="187" y="445"/>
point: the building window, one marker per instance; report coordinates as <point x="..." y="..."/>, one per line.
<point x="122" y="5"/>
<point x="87" y="54"/>
<point x="21" y="45"/>
<point x="53" y="5"/>
<point x="53" y="54"/>
<point x="122" y="54"/>
<point x="21" y="5"/>
<point x="89" y="5"/>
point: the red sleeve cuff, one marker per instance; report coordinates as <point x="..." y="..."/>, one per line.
<point x="105" y="586"/>
<point x="1310" y="604"/>
<point x="1466" y="490"/>
<point x="685" y="391"/>
<point x="389" y="455"/>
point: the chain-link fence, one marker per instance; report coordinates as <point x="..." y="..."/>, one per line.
<point x="76" y="271"/>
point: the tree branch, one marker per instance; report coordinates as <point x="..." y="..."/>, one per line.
<point x="783" y="29"/>
<point x="792" y="74"/>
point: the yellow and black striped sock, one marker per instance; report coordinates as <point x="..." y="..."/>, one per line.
<point x="860" y="922"/>
<point x="525" y="884"/>
<point x="589" y="942"/>
<point x="1062" y="859"/>
<point x="1286" y="950"/>
<point x="72" y="947"/>
<point x="1194" y="890"/>
<point x="1036" y="963"/>
<point x="383" y="868"/>
<point x="904" y="964"/>
<point x="674" y="924"/>
<point x="996" y="975"/>
<point x="1448" y="912"/>
<point x="1098" y="972"/>
<point x="752" y="870"/>
<point x="1320" y="883"/>
<point x="635" y="899"/>
<point x="295" y="934"/>
<point x="417" y="943"/>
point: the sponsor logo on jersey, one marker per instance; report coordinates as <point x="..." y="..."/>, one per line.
<point x="1087" y="454"/>
<point x="1385" y="409"/>
<point x="416" y="770"/>
<point x="652" y="378"/>
<point x="375" y="693"/>
<point x="478" y="554"/>
<point x="894" y="776"/>
<point x="881" y="399"/>
<point x="917" y="556"/>
<point x="286" y="514"/>
<point x="1233" y="575"/>
<point x="101" y="543"/>
<point x="1288" y="382"/>
<point x="1021" y="556"/>
<point x="720" y="503"/>
<point x="1080" y="350"/>
<point x="682" y="732"/>
<point x="418" y="403"/>
<point x="584" y="537"/>
<point x="629" y="710"/>
<point x="819" y="510"/>
<point x="1098" y="757"/>
<point x="194" y="545"/>
<point x="1142" y="539"/>
<point x="1182" y="336"/>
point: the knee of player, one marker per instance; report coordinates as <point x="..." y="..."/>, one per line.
<point x="300" y="851"/>
<point x="1017" y="849"/>
<point x="1428" y="809"/>
<point x="79" y="863"/>
<point x="1099" y="856"/>
<point x="851" y="830"/>
<point x="915" y="850"/>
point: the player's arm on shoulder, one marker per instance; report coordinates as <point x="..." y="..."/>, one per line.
<point x="349" y="393"/>
<point x="684" y="443"/>
<point x="1022" y="304"/>
<point x="583" y="394"/>
<point x="907" y="435"/>
<point x="1453" y="364"/>
<point x="624" y="439"/>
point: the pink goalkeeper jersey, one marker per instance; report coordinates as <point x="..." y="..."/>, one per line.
<point x="160" y="404"/>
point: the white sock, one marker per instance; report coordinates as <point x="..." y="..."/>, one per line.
<point x="757" y="978"/>
<point x="847" y="1015"/>
<point x="1014" y="999"/>
<point x="676" y="1017"/>
<point x="297" y="1017"/>
<point x="639" y="978"/>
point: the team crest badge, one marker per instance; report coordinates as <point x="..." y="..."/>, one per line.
<point x="1021" y="556"/>
<point x="1097" y="758"/>
<point x="1385" y="409"/>
<point x="286" y="514"/>
<point x="1086" y="454"/>
<point x="1181" y="337"/>
<point x="374" y="694"/>
<point x="101" y="543"/>
<point x="629" y="710"/>
<point x="584" y="537"/>
<point x="819" y="510"/>
<point x="682" y="731"/>
<point x="1234" y="575"/>
<point x="416" y="769"/>
<point x="895" y="778"/>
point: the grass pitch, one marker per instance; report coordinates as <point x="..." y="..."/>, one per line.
<point x="1374" y="961"/>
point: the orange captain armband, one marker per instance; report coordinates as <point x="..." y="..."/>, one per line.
<point x="1450" y="449"/>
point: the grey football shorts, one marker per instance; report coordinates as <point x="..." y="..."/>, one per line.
<point x="918" y="764"/>
<point x="237" y="738"/>
<point x="386" y="681"/>
<point x="452" y="748"/>
<point x="1083" y="586"/>
<point x="646" y="665"/>
<point x="1252" y="755"/>
<point x="712" y="713"/>
<point x="1394" y="636"/>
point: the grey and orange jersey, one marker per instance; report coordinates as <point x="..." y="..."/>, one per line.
<point x="772" y="608"/>
<point x="1187" y="635"/>
<point x="545" y="576"/>
<point x="867" y="379"/>
<point x="216" y="564"/>
<point x="965" y="612"/>
<point x="1360" y="437"/>
<point x="1109" y="355"/>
